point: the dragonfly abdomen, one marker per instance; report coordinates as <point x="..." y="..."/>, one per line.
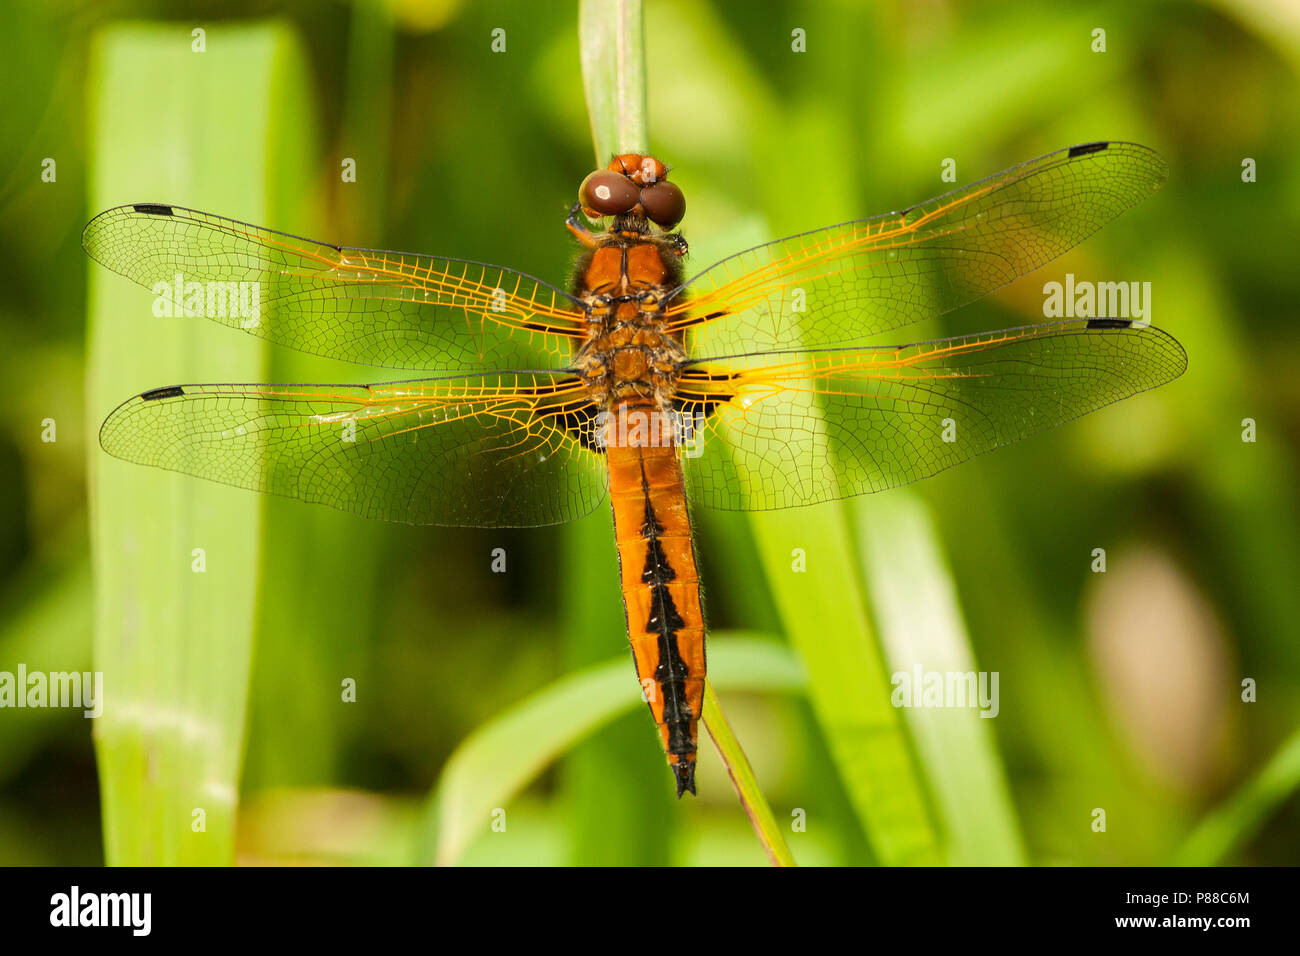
<point x="661" y="588"/>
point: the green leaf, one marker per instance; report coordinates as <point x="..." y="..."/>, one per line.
<point x="921" y="627"/>
<point x="826" y="620"/>
<point x="1243" y="814"/>
<point x="615" y="816"/>
<point x="175" y="560"/>
<point x="612" y="40"/>
<point x="744" y="780"/>
<point x="612" y="34"/>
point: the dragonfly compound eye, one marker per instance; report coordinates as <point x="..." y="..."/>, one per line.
<point x="664" y="204"/>
<point x="607" y="193"/>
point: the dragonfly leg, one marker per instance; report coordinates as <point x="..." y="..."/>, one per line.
<point x="579" y="228"/>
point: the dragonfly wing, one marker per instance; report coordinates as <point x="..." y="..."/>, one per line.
<point x="845" y="283"/>
<point x="785" y="429"/>
<point x="512" y="450"/>
<point x="391" y="309"/>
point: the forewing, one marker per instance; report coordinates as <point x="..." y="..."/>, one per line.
<point x="389" y="309"/>
<point x="842" y="284"/>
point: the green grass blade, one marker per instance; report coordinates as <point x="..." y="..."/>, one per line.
<point x="1243" y="814"/>
<point x="174" y="643"/>
<point x="612" y="42"/>
<point x="742" y="778"/>
<point x="921" y="627"/>
<point x="617" y="812"/>
<point x="827" y="622"/>
<point x="501" y="757"/>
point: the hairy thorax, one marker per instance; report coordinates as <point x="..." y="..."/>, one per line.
<point x="628" y="354"/>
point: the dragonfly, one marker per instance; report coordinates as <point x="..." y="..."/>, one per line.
<point x="749" y="384"/>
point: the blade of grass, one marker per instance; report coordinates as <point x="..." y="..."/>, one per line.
<point x="1243" y="814"/>
<point x="173" y="625"/>
<point x="499" y="758"/>
<point x="612" y="42"/>
<point x="617" y="812"/>
<point x="826" y="620"/>
<point x="611" y="37"/>
<point x="742" y="778"/>
<point x="921" y="627"/>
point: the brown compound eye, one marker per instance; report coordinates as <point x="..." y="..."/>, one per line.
<point x="664" y="204"/>
<point x="607" y="193"/>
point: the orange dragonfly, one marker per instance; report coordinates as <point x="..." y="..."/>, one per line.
<point x="746" y="386"/>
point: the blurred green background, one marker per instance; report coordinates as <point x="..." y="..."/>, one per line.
<point x="1119" y="690"/>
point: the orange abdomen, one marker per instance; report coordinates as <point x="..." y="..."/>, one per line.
<point x="661" y="587"/>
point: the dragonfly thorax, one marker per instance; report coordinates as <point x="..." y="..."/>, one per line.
<point x="630" y="356"/>
<point x="623" y="284"/>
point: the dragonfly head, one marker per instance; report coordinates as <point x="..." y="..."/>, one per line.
<point x="633" y="185"/>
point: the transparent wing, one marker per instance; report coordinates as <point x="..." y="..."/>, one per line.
<point x="389" y="309"/>
<point x="781" y="430"/>
<point x="474" y="451"/>
<point x="845" y="283"/>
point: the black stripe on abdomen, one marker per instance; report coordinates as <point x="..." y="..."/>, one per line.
<point x="664" y="622"/>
